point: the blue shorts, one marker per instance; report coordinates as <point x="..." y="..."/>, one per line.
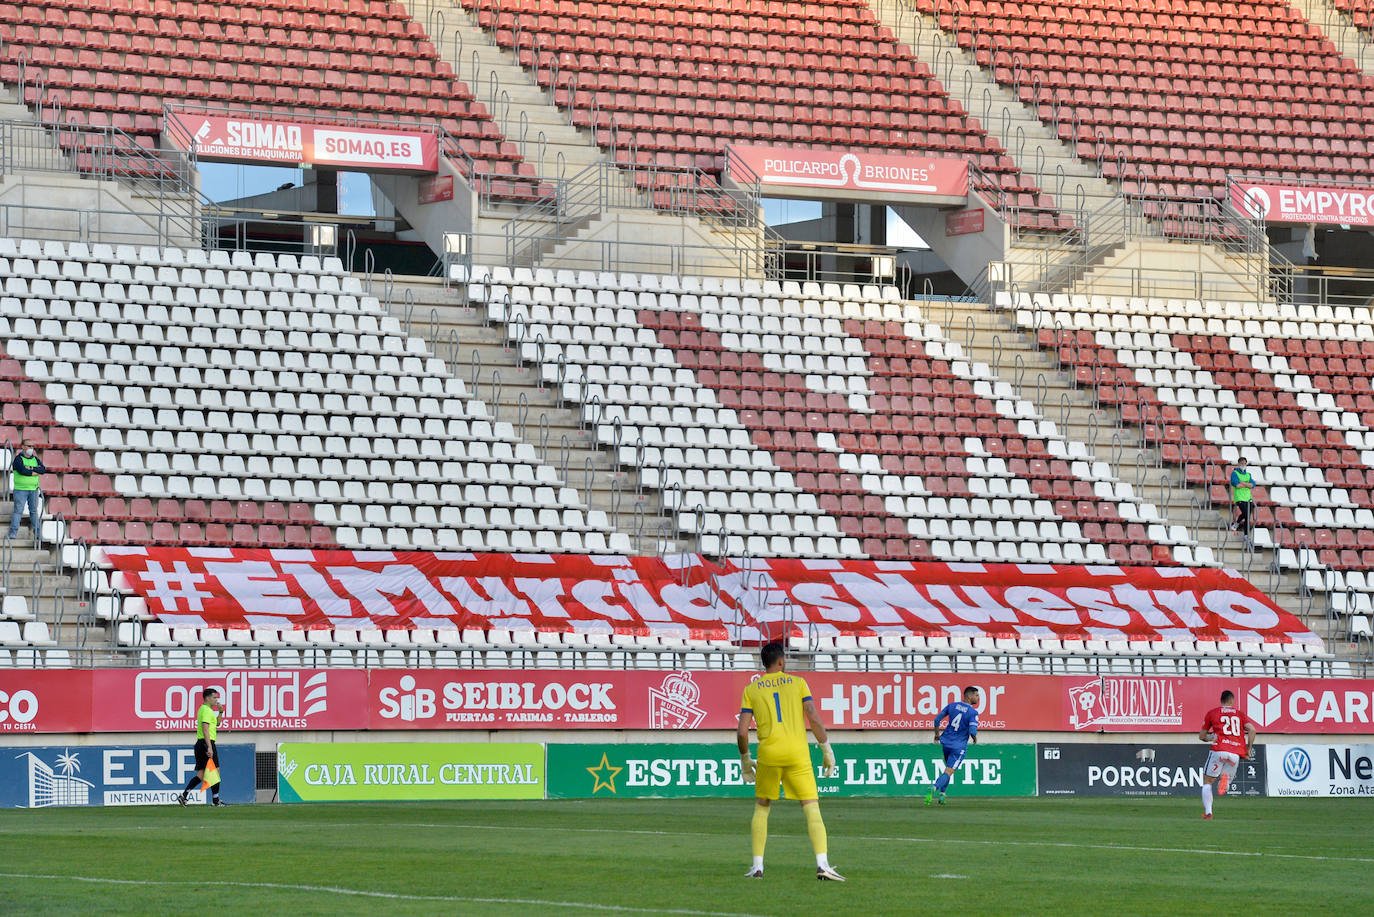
<point x="954" y="755"/>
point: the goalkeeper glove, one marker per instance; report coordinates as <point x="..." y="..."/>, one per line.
<point x="746" y="766"/>
<point x="828" y="759"/>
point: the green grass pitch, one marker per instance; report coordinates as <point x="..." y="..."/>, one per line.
<point x="973" y="856"/>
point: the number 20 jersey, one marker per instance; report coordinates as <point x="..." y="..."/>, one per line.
<point x="1227" y="725"/>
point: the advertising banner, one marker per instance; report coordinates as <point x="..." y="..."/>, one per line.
<point x="857" y="172"/>
<point x="436" y="189"/>
<point x="116" y="775"/>
<point x="964" y="222"/>
<point x="245" y="138"/>
<point x="1073" y="769"/>
<point x="51" y="700"/>
<point x="1278" y="203"/>
<point x="1320" y="770"/>
<point x="408" y="771"/>
<point x="686" y="770"/>
<point x="691" y="596"/>
<point x="166" y="700"/>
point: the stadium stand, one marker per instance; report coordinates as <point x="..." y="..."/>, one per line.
<point x="227" y="400"/>
<point x="822" y="418"/>
<point x="1170" y="100"/>
<point x="673" y="85"/>
<point x="197" y="399"/>
<point x="1286" y="386"/>
<point x="121" y="66"/>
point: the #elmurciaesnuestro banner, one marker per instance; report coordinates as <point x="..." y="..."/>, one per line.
<point x="690" y="596"/>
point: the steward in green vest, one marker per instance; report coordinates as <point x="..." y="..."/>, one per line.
<point x="26" y="468"/>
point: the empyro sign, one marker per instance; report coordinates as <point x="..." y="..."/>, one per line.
<point x="1136" y="770"/>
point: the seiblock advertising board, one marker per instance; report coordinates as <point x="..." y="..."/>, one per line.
<point x="1147" y="769"/>
<point x="1321" y="770"/>
<point x="686" y="770"/>
<point x="115" y="775"/>
<point x="404" y="771"/>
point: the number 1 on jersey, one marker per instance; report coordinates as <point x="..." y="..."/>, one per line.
<point x="777" y="705"/>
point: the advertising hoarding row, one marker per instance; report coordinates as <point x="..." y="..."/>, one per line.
<point x="325" y="772"/>
<point x="123" y="775"/>
<point x="164" y="700"/>
<point x="393" y="699"/>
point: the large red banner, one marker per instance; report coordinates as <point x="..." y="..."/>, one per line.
<point x="1277" y="203"/>
<point x="691" y="596"/>
<point x="165" y="700"/>
<point x="52" y="700"/>
<point x="830" y="171"/>
<point x="270" y="700"/>
<point x="260" y="140"/>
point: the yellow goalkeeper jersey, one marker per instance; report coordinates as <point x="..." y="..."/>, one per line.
<point x="776" y="702"/>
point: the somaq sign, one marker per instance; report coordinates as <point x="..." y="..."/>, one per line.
<point x="1275" y="203"/>
<point x="848" y="175"/>
<point x="302" y="143"/>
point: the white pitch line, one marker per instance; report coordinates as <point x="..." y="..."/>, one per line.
<point x="1125" y="848"/>
<point x="365" y="893"/>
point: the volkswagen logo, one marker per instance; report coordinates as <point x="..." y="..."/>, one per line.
<point x="1297" y="765"/>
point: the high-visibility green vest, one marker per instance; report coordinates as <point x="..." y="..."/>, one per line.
<point x="1242" y="486"/>
<point x="27" y="481"/>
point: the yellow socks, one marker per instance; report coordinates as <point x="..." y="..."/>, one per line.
<point x="758" y="829"/>
<point x="816" y="828"/>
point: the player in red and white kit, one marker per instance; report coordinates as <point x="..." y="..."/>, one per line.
<point x="1232" y="735"/>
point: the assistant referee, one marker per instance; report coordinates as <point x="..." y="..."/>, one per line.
<point x="207" y="726"/>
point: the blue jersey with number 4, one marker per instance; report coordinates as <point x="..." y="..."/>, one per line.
<point x="963" y="723"/>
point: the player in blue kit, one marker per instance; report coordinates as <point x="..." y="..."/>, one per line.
<point x="961" y="729"/>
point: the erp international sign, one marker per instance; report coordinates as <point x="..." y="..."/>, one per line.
<point x="401" y="771"/>
<point x="578" y="771"/>
<point x="1321" y="770"/>
<point x="114" y="775"/>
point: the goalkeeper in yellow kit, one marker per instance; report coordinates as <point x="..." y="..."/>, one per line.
<point x="781" y="705"/>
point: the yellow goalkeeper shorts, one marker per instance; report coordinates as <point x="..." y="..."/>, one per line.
<point x="796" y="777"/>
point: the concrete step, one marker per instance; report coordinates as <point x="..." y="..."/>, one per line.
<point x="530" y="110"/>
<point x="556" y="431"/>
<point x="1038" y="150"/>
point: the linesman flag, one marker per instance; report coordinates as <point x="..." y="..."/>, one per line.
<point x="211" y="775"/>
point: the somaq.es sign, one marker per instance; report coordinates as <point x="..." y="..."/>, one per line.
<point x="245" y="138"/>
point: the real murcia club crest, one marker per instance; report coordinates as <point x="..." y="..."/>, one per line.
<point x="673" y="704"/>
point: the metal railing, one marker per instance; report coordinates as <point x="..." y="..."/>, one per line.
<point x="610" y="186"/>
<point x="166" y="180"/>
<point x="781" y="259"/>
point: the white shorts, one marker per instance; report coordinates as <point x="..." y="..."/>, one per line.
<point x="1221" y="762"/>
